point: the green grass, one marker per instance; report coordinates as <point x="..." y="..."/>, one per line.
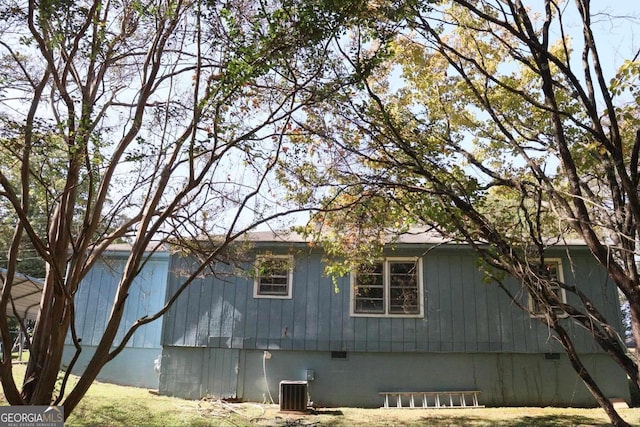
<point x="112" y="405"/>
<point x="25" y="355"/>
<point x="152" y="410"/>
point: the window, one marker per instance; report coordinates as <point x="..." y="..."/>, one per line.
<point x="392" y="287"/>
<point x="273" y="277"/>
<point x="553" y="271"/>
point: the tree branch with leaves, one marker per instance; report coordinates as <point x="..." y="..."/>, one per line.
<point x="147" y="123"/>
<point x="480" y="126"/>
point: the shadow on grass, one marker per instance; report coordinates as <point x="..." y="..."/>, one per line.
<point x="562" y="421"/>
<point x="537" y="421"/>
<point x="334" y="412"/>
<point x="464" y="421"/>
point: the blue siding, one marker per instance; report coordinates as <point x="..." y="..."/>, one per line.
<point x="471" y="337"/>
<point x="462" y="314"/>
<point x="96" y="293"/>
<point x="504" y="379"/>
<point x="93" y="302"/>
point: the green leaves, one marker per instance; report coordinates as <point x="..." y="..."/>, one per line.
<point x="161" y="121"/>
<point x="626" y="78"/>
<point x="449" y="128"/>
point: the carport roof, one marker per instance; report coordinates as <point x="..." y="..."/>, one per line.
<point x="26" y="292"/>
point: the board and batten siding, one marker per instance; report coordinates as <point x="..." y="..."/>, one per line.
<point x="461" y="312"/>
<point x="96" y="293"/>
<point x="93" y="303"/>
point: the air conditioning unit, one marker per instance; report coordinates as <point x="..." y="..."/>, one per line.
<point x="293" y="396"/>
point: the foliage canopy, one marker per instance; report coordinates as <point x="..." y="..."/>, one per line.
<point x="493" y="124"/>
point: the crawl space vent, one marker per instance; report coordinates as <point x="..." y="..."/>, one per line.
<point x="293" y="396"/>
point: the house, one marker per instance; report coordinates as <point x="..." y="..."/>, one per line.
<point x="422" y="319"/>
<point x="135" y="365"/>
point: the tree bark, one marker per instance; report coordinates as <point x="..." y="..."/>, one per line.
<point x="47" y="346"/>
<point x="634" y="307"/>
<point x="588" y="380"/>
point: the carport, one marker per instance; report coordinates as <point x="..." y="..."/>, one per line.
<point x="25" y="301"/>
<point x="25" y="293"/>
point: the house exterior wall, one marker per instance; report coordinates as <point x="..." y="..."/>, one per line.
<point x="462" y="314"/>
<point x="135" y="365"/>
<point x="192" y="373"/>
<point x="504" y="379"/>
<point x="470" y="330"/>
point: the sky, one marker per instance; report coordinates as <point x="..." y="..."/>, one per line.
<point x="616" y="25"/>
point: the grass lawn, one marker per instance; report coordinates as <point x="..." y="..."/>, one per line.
<point x="134" y="407"/>
<point x="173" y="412"/>
<point x="112" y="405"/>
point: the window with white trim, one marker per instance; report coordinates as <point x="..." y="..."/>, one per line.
<point x="273" y="276"/>
<point x="553" y="272"/>
<point x="390" y="287"/>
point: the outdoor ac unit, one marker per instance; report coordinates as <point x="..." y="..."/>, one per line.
<point x="293" y="396"/>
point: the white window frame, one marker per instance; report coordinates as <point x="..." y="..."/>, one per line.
<point x="386" y="272"/>
<point x="256" y="281"/>
<point x="534" y="311"/>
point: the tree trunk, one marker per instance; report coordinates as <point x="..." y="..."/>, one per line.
<point x="47" y="346"/>
<point x="588" y="380"/>
<point x="100" y="356"/>
<point x="634" y="309"/>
